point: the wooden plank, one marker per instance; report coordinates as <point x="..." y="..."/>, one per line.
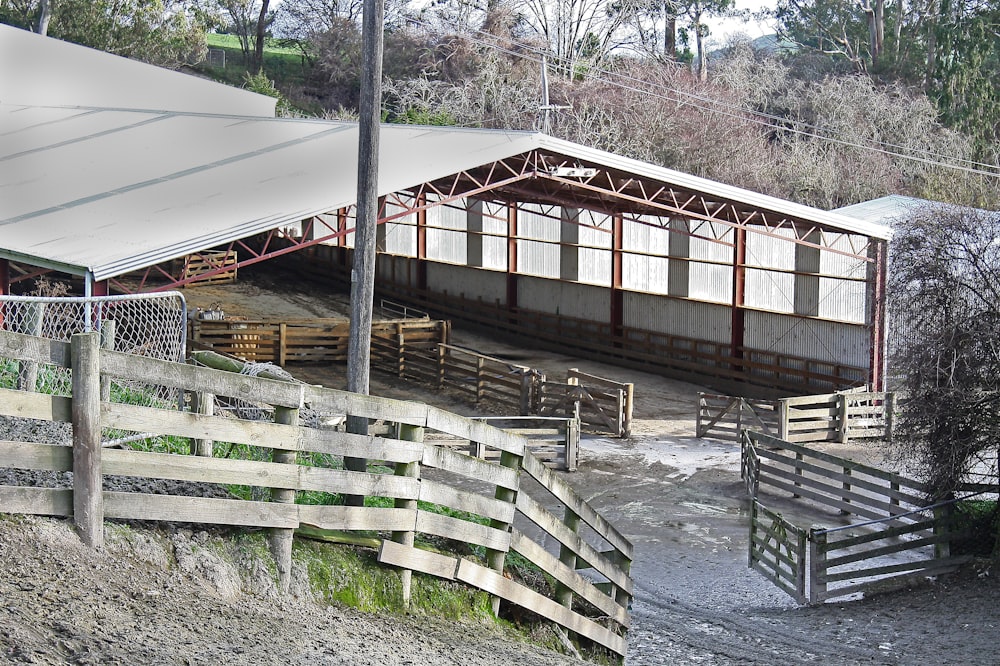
<point x="338" y="443"/>
<point x="476" y="431"/>
<point x="358" y="483"/>
<point x="199" y="426"/>
<point x="22" y="404"/>
<point x="539" y="515"/>
<point x="179" y="375"/>
<point x="88" y="501"/>
<point x="29" y="455"/>
<point x="488" y="507"/>
<point x="367" y="406"/>
<point x="357" y="518"/>
<point x="765" y="441"/>
<point x="462" y="530"/>
<point x="893" y="491"/>
<point x="584" y="587"/>
<point x="21" y="347"/>
<point x="882" y="551"/>
<point x="565" y="494"/>
<point x="408" y="557"/>
<point x="497" y="585"/>
<point x="36" y="501"/>
<point x="184" y="509"/>
<point x="452" y="461"/>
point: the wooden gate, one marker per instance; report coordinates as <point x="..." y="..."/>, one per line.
<point x="778" y="550"/>
<point x="724" y="416"/>
<point x="602" y="404"/>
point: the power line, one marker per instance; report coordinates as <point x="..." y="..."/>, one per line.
<point x="711" y="105"/>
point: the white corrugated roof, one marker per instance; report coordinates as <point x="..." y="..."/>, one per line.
<point x="42" y="71"/>
<point x="107" y="185"/>
<point x="885" y="210"/>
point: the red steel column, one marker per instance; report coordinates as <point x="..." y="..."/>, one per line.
<point x="617" y="296"/>
<point x="739" y="294"/>
<point x="877" y="252"/>
<point x="511" y="257"/>
<point x="421" y="243"/>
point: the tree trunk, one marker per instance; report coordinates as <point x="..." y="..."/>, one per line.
<point x="258" y="54"/>
<point x="702" y="59"/>
<point x="670" y="34"/>
<point x="43" y="19"/>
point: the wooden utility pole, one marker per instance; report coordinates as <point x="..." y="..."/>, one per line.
<point x="363" y="270"/>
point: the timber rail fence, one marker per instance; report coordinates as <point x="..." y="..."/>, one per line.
<point x="834" y="417"/>
<point x="418" y="349"/>
<point x="880" y="528"/>
<point x="489" y="505"/>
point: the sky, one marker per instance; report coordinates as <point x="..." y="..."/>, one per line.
<point x="722" y="29"/>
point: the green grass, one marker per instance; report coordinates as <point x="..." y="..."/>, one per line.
<point x="284" y="64"/>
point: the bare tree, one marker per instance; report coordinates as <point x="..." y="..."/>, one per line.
<point x="945" y="306"/>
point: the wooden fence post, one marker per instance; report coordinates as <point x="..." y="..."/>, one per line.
<point x="88" y="498"/>
<point x="798" y="472"/>
<point x="846" y="486"/>
<point x="281" y="537"/>
<point x="525" y="406"/>
<point x="27" y="376"/>
<point x="400" y="349"/>
<point x="845" y="418"/>
<point x="480" y="378"/>
<point x="817" y="565"/>
<point x="204" y="404"/>
<point x="495" y="558"/>
<point x="564" y="594"/>
<point x="943" y="526"/>
<point x="572" y="452"/>
<point x="282" y="344"/>
<point x="629" y="399"/>
<point x="783" y="419"/>
<point x="411" y="469"/>
<point x="698" y="432"/>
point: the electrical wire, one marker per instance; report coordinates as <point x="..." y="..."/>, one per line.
<point x="707" y="104"/>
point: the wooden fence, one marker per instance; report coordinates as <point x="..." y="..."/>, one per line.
<point x="203" y="262"/>
<point x="833" y="417"/>
<point x="397" y="345"/>
<point x="725" y="416"/>
<point x="553" y="440"/>
<point x="891" y="532"/>
<point x="836" y="417"/>
<point x="418" y="349"/>
<point x="602" y="404"/>
<point x="490" y="507"/>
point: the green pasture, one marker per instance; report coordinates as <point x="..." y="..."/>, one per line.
<point x="282" y="62"/>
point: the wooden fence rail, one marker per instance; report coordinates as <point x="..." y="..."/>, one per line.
<point x="892" y="534"/>
<point x="491" y="508"/>
<point x="832" y="417"/>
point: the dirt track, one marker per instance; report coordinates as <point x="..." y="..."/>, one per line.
<point x="679" y="499"/>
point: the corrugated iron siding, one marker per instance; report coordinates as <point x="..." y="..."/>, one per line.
<point x="829" y="341"/>
<point x="565" y="298"/>
<point x="491" y="286"/>
<point x="442" y="245"/>
<point x="673" y="316"/>
<point x="843" y="299"/>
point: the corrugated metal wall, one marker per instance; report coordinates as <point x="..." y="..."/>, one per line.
<point x="569" y="299"/>
<point x="540" y="255"/>
<point x="828" y="341"/>
<point x="690" y="319"/>
<point x="445" y="245"/>
<point x="491" y="286"/>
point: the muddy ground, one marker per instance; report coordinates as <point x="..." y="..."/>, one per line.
<point x="678" y="498"/>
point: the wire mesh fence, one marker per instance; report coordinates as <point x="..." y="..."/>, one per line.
<point x="153" y="325"/>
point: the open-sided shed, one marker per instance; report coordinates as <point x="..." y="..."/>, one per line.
<point x="520" y="232"/>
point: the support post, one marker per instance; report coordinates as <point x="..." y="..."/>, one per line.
<point x="204" y="404"/>
<point x="817" y="566"/>
<point x="88" y="498"/>
<point x="280" y="538"/>
<point x="495" y="558"/>
<point x="572" y="444"/>
<point x="564" y="594"/>
<point x="412" y="469"/>
<point x="844" y="425"/>
<point x="27" y="376"/>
